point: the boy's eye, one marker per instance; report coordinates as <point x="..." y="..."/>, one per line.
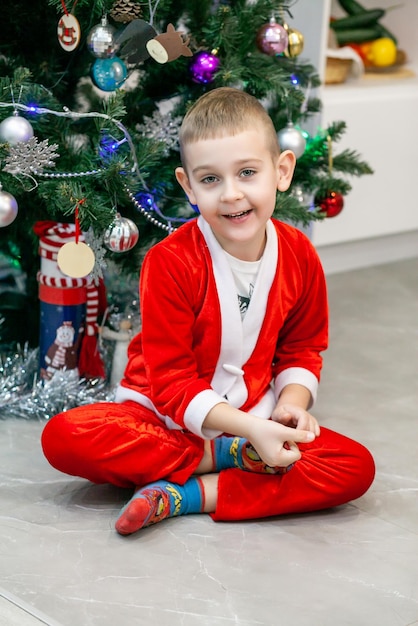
<point x="207" y="180"/>
<point x="247" y="172"/>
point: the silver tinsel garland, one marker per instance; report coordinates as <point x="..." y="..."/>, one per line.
<point x="23" y="395"/>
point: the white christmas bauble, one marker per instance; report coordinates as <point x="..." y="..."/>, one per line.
<point x="290" y="138"/>
<point x="15" y="129"/>
<point x="101" y="40"/>
<point x="122" y="235"/>
<point x="8" y="208"/>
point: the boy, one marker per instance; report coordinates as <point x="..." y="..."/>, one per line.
<point x="234" y="318"/>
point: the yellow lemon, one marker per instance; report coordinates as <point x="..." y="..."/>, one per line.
<point x="382" y="52"/>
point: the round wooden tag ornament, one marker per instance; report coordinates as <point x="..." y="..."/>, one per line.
<point x="75" y="259"/>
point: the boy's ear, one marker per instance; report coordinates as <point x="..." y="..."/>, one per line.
<point x="183" y="181"/>
<point x="285" y="167"/>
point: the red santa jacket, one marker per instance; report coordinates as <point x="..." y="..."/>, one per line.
<point x="194" y="351"/>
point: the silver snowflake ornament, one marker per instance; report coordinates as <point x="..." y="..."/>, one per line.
<point x="31" y="157"/>
<point x="96" y="244"/>
<point x="161" y="127"/>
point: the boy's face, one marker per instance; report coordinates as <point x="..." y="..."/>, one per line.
<point x="233" y="180"/>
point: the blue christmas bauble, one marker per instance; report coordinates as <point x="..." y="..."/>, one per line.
<point x="109" y="74"/>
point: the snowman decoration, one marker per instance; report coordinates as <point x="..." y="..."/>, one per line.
<point x="63" y="353"/>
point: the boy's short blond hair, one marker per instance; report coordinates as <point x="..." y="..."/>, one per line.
<point x="226" y="111"/>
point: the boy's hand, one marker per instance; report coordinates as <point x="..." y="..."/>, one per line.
<point x="276" y="443"/>
<point x="295" y="417"/>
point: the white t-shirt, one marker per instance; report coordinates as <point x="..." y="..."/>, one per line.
<point x="245" y="274"/>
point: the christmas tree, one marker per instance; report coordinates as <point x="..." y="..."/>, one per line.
<point x="91" y="98"/>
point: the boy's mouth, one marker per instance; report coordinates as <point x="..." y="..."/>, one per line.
<point x="232" y="216"/>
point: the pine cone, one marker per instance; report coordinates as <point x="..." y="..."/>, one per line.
<point x="125" y="11"/>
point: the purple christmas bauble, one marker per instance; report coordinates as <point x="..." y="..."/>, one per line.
<point x="203" y="67"/>
<point x="272" y="38"/>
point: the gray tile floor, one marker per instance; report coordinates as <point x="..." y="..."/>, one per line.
<point x="61" y="563"/>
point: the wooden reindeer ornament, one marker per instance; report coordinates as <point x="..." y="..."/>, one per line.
<point x="169" y="46"/>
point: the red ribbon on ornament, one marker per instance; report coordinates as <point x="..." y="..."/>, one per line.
<point x="64" y="7"/>
<point x="77" y="222"/>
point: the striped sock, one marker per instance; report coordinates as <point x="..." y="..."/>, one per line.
<point x="159" y="500"/>
<point x="230" y="452"/>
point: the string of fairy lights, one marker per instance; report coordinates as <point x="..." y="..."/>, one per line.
<point x="24" y="145"/>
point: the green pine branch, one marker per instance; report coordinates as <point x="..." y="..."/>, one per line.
<point x="35" y="70"/>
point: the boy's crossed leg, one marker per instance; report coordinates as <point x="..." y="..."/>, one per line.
<point x="162" y="499"/>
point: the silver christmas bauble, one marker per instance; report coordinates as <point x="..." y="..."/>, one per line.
<point x="15" y="129"/>
<point x="121" y="236"/>
<point x="8" y="208"/>
<point x="101" y="40"/>
<point x="290" y="138"/>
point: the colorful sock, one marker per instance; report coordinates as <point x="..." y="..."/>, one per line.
<point x="237" y="452"/>
<point x="159" y="500"/>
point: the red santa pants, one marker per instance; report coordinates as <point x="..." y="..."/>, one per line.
<point x="127" y="445"/>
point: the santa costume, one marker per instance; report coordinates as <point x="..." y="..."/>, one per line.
<point x="195" y="351"/>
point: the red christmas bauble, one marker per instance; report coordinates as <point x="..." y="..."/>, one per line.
<point x="332" y="204"/>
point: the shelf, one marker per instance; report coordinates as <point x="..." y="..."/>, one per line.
<point x="403" y="84"/>
<point x="380" y="112"/>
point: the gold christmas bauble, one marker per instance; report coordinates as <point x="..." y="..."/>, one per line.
<point x="296" y="43"/>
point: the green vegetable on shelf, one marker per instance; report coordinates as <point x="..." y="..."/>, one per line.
<point x="351" y="7"/>
<point x="384" y="32"/>
<point x="365" y="19"/>
<point x="360" y="19"/>
<point x="357" y="35"/>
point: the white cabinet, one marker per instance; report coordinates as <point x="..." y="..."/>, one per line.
<point x="379" y="221"/>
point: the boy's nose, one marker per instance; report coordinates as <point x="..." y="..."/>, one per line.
<point x="231" y="191"/>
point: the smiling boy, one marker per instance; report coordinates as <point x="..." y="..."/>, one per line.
<point x="212" y="414"/>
